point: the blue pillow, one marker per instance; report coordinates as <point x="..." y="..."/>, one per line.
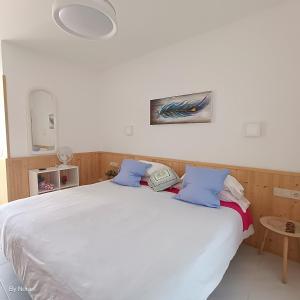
<point x="131" y="172"/>
<point x="202" y="186"/>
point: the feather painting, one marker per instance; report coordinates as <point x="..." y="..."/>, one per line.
<point x="194" y="108"/>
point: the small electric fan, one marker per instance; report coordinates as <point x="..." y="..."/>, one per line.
<point x="64" y="155"/>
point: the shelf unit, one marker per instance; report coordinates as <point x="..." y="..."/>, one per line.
<point x="55" y="176"/>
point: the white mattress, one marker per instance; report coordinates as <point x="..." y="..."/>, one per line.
<point x="108" y="242"/>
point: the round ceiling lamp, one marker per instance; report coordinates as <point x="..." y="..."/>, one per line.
<point x="90" y="19"/>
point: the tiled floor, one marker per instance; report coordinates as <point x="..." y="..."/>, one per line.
<point x="258" y="277"/>
<point x="249" y="277"/>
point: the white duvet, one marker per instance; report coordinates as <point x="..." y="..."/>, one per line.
<point x="109" y="242"/>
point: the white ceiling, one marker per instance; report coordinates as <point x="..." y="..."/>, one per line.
<point x="144" y="25"/>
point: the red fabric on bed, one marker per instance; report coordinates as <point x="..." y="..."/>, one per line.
<point x="246" y="217"/>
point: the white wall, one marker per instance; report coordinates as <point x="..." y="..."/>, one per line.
<point x="253" y="68"/>
<point x="75" y="90"/>
<point x="3" y="149"/>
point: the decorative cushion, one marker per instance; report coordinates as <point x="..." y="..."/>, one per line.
<point x="232" y="185"/>
<point x="155" y="166"/>
<point x="163" y="179"/>
<point x="202" y="185"/>
<point x="131" y="172"/>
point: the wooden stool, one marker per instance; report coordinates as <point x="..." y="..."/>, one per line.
<point x="278" y="225"/>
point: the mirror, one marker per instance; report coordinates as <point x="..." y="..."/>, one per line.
<point x="42" y="114"/>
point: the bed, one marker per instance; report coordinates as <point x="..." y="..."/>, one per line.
<point x="111" y="242"/>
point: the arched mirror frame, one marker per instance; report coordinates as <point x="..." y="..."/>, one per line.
<point x="29" y="122"/>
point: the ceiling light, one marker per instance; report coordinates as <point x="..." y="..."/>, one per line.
<point x="90" y="19"/>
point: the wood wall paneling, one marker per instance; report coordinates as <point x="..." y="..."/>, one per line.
<point x="17" y="171"/>
<point x="258" y="183"/>
<point x="3" y="182"/>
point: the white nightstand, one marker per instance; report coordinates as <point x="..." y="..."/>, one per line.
<point x="61" y="177"/>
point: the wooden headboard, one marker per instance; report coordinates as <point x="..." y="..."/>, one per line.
<point x="258" y="183"/>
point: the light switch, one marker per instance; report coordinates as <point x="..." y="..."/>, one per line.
<point x="129" y="130"/>
<point x="253" y="129"/>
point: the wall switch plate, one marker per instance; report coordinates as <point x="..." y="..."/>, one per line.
<point x="285" y="193"/>
<point x="252" y="129"/>
<point x="128" y="130"/>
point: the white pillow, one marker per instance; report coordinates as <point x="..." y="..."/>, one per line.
<point x="154" y="168"/>
<point x="234" y="187"/>
<point x="228" y="197"/>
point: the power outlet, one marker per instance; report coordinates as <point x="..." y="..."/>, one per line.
<point x="285" y="193"/>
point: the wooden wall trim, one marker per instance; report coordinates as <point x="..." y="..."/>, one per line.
<point x="258" y="183"/>
<point x="17" y="170"/>
<point x="3" y="182"/>
<point x="213" y="165"/>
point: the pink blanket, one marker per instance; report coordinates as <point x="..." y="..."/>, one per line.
<point x="246" y="217"/>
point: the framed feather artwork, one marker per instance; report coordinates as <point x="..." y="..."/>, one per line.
<point x="193" y="108"/>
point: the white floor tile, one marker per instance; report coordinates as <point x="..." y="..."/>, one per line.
<point x="264" y="292"/>
<point x="258" y="277"/>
